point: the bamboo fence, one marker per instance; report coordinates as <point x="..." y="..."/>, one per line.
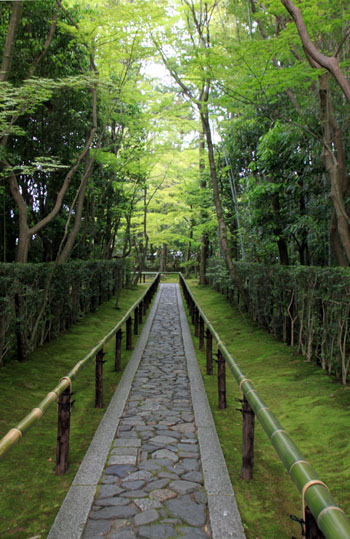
<point x="330" y="518"/>
<point x="17" y="432"/>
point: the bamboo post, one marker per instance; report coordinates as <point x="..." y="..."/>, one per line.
<point x="221" y="381"/>
<point x="248" y="440"/>
<point x="118" y="350"/>
<point x="99" y="379"/>
<point x="209" y="351"/>
<point x="201" y="333"/>
<point x="129" y="333"/>
<point x="136" y="321"/>
<point x="63" y="428"/>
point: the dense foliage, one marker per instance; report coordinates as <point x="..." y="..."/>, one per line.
<point x="76" y="288"/>
<point x="174" y="131"/>
<point x="305" y="307"/>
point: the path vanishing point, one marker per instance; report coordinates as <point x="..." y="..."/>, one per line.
<point x="155" y="468"/>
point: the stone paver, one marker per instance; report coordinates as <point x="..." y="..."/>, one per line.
<point x="152" y="485"/>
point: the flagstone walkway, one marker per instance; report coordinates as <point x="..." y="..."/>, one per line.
<point x="164" y="476"/>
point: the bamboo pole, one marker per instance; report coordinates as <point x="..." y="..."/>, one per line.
<point x="330" y="519"/>
<point x="17" y="432"/>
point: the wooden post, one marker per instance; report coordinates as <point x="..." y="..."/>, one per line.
<point x="136" y="321"/>
<point x="192" y="310"/>
<point x="196" y="321"/>
<point x="201" y="333"/>
<point x="145" y="305"/>
<point x="63" y="427"/>
<point x="311" y="529"/>
<point x="140" y="312"/>
<point x="248" y="440"/>
<point x="129" y="333"/>
<point x="209" y="351"/>
<point x="99" y="379"/>
<point x="144" y="277"/>
<point x="221" y="380"/>
<point x="118" y="350"/>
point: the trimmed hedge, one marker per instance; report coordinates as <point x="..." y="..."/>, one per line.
<point x="304" y="306"/>
<point x="76" y="288"/>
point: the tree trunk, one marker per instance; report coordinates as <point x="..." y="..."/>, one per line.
<point x="334" y="164"/>
<point x="10" y="40"/>
<point x="281" y="242"/>
<point x="203" y="184"/>
<point x="163" y="257"/>
<point x="204" y="259"/>
<point x="217" y="201"/>
<point x="68" y="246"/>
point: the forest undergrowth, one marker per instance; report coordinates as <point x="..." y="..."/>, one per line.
<point x="312" y="407"/>
<point x="31" y="493"/>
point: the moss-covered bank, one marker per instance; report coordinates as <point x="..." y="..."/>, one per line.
<point x="313" y="407"/>
<point x="31" y="493"/>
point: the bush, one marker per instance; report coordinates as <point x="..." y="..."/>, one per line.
<point x="304" y="306"/>
<point x="34" y="313"/>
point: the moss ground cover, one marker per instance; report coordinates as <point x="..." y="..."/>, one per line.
<point x="313" y="408"/>
<point x="31" y="493"/>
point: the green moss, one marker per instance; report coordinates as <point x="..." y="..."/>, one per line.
<point x="31" y="493"/>
<point x="313" y="408"/>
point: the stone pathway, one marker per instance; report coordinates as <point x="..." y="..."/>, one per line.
<point x="153" y="485"/>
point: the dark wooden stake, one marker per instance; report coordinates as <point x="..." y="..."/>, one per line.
<point x="99" y="379"/>
<point x="201" y="333"/>
<point x="221" y="380"/>
<point x="118" y="350"/>
<point x="209" y="351"/>
<point x="129" y="333"/>
<point x="140" y="312"/>
<point x="312" y="531"/>
<point x="145" y="305"/>
<point x="248" y="440"/>
<point x="136" y="321"/>
<point x="192" y="311"/>
<point x="196" y="321"/>
<point x="63" y="426"/>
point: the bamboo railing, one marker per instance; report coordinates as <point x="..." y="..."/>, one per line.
<point x="328" y="517"/>
<point x="63" y="389"/>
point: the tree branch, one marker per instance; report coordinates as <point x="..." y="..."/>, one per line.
<point x="327" y="62"/>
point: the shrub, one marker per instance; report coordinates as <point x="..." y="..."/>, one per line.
<point x="304" y="306"/>
<point x="33" y="312"/>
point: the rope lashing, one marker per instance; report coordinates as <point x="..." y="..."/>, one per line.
<point x="306" y="487"/>
<point x="242" y="382"/>
<point x="69" y="380"/>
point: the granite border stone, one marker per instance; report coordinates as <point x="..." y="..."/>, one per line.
<point x="225" y="520"/>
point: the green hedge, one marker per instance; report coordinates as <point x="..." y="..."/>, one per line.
<point x="76" y="288"/>
<point x="304" y="306"/>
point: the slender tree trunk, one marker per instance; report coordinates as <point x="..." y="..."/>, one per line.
<point x="68" y="246"/>
<point x="217" y="201"/>
<point x="203" y="185"/>
<point x="334" y="164"/>
<point x="163" y="257"/>
<point x="281" y="242"/>
<point x="10" y="40"/>
<point x="204" y="259"/>
<point x="188" y="252"/>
